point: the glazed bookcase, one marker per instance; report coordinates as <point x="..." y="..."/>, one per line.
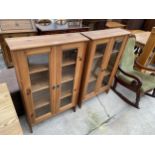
<point x="103" y="55"/>
<point x="49" y="70"/>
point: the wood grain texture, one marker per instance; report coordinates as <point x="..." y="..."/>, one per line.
<point x="9" y="123"/>
<point x="111" y="24"/>
<point x="44" y="41"/>
<point x="99" y="38"/>
<point x="148" y="39"/>
<point x="33" y="79"/>
<point x="108" y="33"/>
<point x="142" y="37"/>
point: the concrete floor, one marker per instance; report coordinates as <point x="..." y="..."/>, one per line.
<point x="105" y="114"/>
<point x="101" y="115"/>
<point x="2" y="64"/>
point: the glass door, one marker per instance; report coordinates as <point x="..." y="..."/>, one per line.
<point x="113" y="57"/>
<point x="69" y="61"/>
<point x="96" y="66"/>
<point x="38" y="65"/>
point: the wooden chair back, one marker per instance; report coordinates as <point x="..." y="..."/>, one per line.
<point x="148" y="52"/>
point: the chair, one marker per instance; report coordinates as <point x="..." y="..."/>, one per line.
<point x="147" y="56"/>
<point x="127" y="75"/>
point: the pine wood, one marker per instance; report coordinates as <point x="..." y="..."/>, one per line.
<point x="37" y="80"/>
<point x="9" y="122"/>
<point x="37" y="69"/>
<point x="108" y="33"/>
<point x="101" y="37"/>
<point x="14" y="28"/>
<point x="142" y="38"/>
<point x="147" y="54"/>
<point x="43" y="41"/>
<point x="111" y="24"/>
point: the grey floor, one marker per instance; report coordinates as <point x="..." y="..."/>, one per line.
<point x="101" y="115"/>
<point x="2" y="64"/>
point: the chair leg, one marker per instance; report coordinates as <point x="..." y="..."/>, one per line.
<point x="137" y="99"/>
<point x="135" y="104"/>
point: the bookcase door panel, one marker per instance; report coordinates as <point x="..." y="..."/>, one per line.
<point x="39" y="65"/>
<point x="69" y="61"/>
<point x="106" y="75"/>
<point x="96" y="66"/>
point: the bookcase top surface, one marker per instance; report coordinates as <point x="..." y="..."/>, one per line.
<point x="22" y="43"/>
<point x="108" y="33"/>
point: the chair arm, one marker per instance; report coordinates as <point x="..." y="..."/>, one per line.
<point x="136" y="79"/>
<point x="143" y="67"/>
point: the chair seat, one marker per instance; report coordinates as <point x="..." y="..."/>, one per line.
<point x="148" y="81"/>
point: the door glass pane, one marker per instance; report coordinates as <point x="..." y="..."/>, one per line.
<point x="91" y="86"/>
<point x="106" y="80"/>
<point x="68" y="72"/>
<point x="65" y="101"/>
<point x="100" y="49"/>
<point x="39" y="77"/>
<point x="115" y="51"/>
<point x="117" y="44"/>
<point x="99" y="53"/>
<point x="42" y="111"/>
<point x="112" y="60"/>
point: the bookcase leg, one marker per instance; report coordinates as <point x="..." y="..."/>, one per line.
<point x="30" y="127"/>
<point x="74" y="109"/>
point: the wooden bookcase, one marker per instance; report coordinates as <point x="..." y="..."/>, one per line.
<point x="103" y="55"/>
<point x="10" y="28"/>
<point x="49" y="70"/>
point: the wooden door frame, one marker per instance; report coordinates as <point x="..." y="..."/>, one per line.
<point x="81" y="46"/>
<point x="105" y="60"/>
<point x="90" y="52"/>
<point x="90" y="58"/>
<point x="112" y="42"/>
<point x="50" y="52"/>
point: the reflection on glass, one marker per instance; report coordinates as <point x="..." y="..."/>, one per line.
<point x="69" y="57"/>
<point x="94" y="74"/>
<point x="117" y="45"/>
<point x="39" y="77"/>
<point x="100" y="49"/>
<point x="91" y="86"/>
<point x="105" y="80"/>
<point x="66" y="89"/>
<point x="65" y="101"/>
<point x="99" y="53"/>
<point x="42" y="111"/>
<point x="112" y="61"/>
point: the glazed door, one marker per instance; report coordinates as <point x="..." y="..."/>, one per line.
<point x="69" y="68"/>
<point x="96" y="58"/>
<point x="40" y="67"/>
<point x="109" y="67"/>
